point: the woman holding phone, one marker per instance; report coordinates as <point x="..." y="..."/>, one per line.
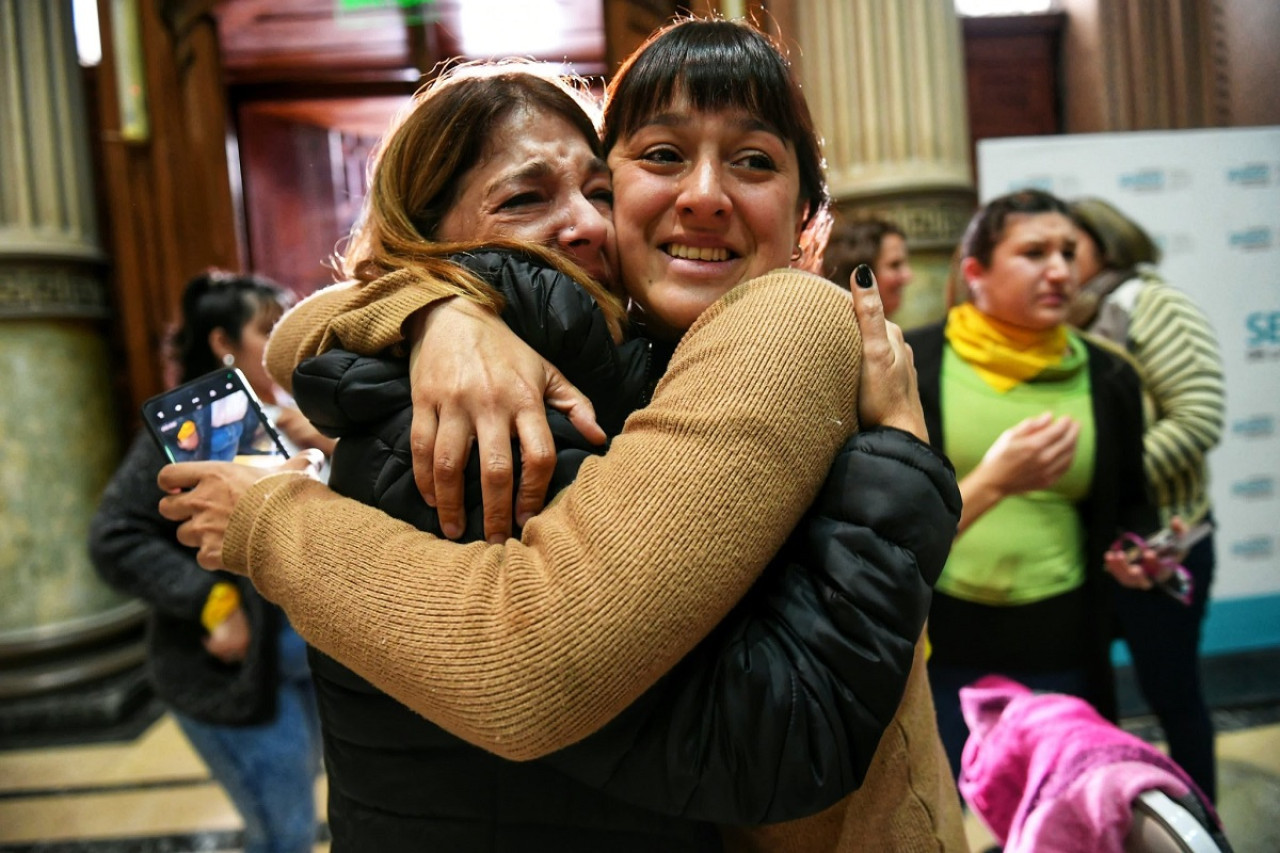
<point x="226" y="662"/>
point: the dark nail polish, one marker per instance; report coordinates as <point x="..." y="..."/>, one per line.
<point x="863" y="276"/>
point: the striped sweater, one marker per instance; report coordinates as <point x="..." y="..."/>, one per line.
<point x="1176" y="354"/>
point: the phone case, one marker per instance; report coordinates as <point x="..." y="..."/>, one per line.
<point x="214" y="417"/>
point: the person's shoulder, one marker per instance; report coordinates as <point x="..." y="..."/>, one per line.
<point x="1158" y="295"/>
<point x="787" y="292"/>
<point x="536" y="292"/>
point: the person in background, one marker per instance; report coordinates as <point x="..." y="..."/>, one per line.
<point x="223" y="659"/>
<point x="1045" y="431"/>
<point x="1123" y="299"/>
<point x="879" y="244"/>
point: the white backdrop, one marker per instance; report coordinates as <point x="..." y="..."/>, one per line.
<point x="1211" y="198"/>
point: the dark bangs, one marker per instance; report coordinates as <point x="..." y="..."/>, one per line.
<point x="717" y="65"/>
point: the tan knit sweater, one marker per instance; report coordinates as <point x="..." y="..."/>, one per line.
<point x="527" y="647"/>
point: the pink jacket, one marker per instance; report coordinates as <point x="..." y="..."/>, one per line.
<point x="1047" y="773"/>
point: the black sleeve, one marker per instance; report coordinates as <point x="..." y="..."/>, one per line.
<point x="778" y="713"/>
<point x="1138" y="512"/>
<point x="136" y="550"/>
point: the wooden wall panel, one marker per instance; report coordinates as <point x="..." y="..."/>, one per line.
<point x="169" y="210"/>
<point x="1012" y="70"/>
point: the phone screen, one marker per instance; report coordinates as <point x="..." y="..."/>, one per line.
<point x="216" y="417"/>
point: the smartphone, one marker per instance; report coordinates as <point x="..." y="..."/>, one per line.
<point x="214" y="417"/>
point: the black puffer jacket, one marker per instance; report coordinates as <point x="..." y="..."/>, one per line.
<point x="776" y="715"/>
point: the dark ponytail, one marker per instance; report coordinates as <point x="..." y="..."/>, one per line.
<point x="221" y="300"/>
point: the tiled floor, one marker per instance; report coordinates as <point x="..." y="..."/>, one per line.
<point x="148" y="795"/>
<point x="152" y="794"/>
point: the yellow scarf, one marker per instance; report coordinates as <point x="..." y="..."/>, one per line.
<point x="1004" y="356"/>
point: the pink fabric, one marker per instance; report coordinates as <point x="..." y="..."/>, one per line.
<point x="1048" y="774"/>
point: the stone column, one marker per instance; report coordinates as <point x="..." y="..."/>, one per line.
<point x="59" y="624"/>
<point x="885" y="81"/>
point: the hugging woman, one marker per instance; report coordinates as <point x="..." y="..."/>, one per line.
<point x="528" y="646"/>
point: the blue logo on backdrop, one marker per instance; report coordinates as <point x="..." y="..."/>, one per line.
<point x="1154" y="180"/>
<point x="1250" y="239"/>
<point x="1253" y="548"/>
<point x="1254" y="488"/>
<point x="1258" y="426"/>
<point x="1250" y="175"/>
<point x="1263" y="327"/>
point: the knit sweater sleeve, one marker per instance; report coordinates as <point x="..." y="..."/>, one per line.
<point x="363" y="318"/>
<point x="527" y="647"/>
<point x="1175" y="348"/>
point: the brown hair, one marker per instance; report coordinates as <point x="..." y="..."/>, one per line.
<point x="417" y="171"/>
<point x="860" y="240"/>
<point x="717" y="65"/>
<point x="987" y="227"/>
<point x="1122" y="243"/>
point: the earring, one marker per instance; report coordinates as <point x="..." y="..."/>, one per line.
<point x="229" y="360"/>
<point x="796" y="252"/>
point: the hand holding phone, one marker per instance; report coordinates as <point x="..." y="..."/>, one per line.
<point x="1170" y="546"/>
<point x="214" y="417"/>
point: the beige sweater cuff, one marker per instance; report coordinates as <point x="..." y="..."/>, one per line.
<point x="249" y="508"/>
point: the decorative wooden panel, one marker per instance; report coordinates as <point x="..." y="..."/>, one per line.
<point x="169" y="209"/>
<point x="1012" y="75"/>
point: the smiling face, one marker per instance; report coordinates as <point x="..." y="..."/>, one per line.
<point x="538" y="180"/>
<point x="703" y="202"/>
<point x="1031" y="279"/>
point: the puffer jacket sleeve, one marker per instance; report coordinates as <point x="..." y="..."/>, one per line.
<point x="778" y="713"/>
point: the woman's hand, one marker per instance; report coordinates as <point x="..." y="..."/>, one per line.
<point x="229" y="642"/>
<point x="888" y="394"/>
<point x="1133" y="575"/>
<point x="1028" y="456"/>
<point x="1151" y="566"/>
<point x="202" y="495"/>
<point x="1032" y="454"/>
<point x="475" y="381"/>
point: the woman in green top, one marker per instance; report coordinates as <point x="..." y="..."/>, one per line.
<point x="1045" y="431"/>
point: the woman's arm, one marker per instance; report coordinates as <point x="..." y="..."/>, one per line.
<point x="491" y="399"/>
<point x="1174" y="346"/>
<point x="778" y="713"/>
<point x="546" y="639"/>
<point x="362" y="317"/>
